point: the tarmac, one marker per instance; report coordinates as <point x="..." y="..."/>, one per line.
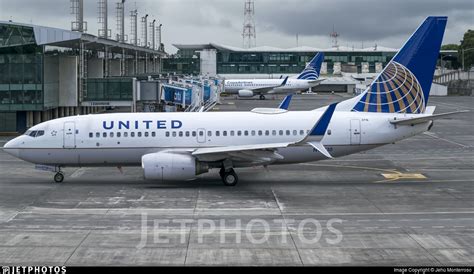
<point x="409" y="203"/>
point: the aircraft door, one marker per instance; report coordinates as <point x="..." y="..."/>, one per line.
<point x="201" y="135"/>
<point x="69" y="137"/>
<point x="355" y="132"/>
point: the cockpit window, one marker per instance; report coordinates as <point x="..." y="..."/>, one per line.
<point x="34" y="133"/>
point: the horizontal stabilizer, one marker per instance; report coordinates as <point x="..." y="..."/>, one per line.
<point x="320" y="147"/>
<point x="424" y="119"/>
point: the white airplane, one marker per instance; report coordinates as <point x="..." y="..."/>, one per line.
<point x="180" y="146"/>
<point x="307" y="79"/>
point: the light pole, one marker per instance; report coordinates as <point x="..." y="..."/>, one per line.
<point x="462" y="53"/>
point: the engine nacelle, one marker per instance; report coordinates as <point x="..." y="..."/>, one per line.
<point x="171" y="167"/>
<point x="246" y="93"/>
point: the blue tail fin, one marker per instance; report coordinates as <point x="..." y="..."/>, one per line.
<point x="285" y="104"/>
<point x="312" y="70"/>
<point x="404" y="85"/>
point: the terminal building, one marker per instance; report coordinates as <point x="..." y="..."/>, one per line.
<point x="270" y="62"/>
<point x="47" y="73"/>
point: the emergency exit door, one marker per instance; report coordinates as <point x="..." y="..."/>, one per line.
<point x="355" y="132"/>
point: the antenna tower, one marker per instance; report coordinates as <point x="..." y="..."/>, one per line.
<point x="249" y="34"/>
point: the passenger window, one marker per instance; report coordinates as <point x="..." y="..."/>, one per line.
<point x="232" y="133"/>
<point x="97" y="135"/>
<point x="132" y="134"/>
<point x="119" y="134"/>
<point x="201" y="133"/>
<point x="267" y="132"/>
<point x="194" y="134"/>
<point x="181" y="134"/>
<point x="239" y="133"/>
<point x="274" y="132"/>
<point x="111" y="135"/>
<point x="91" y="135"/>
<point x="295" y="132"/>
<point x="218" y="133"/>
<point x="281" y="132"/>
<point x="288" y="132"/>
<point x="329" y="132"/>
<point x="260" y="133"/>
<point x="104" y="134"/>
<point x="139" y="134"/>
<point x="147" y="134"/>
<point x="301" y="132"/>
<point x="224" y="133"/>
<point x="153" y="134"/>
<point x="125" y="134"/>
<point x="167" y="134"/>
<point x="187" y="134"/>
<point x="253" y="132"/>
<point x="209" y="133"/>
<point x="174" y="133"/>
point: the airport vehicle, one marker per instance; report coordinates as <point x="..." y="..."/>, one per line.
<point x="180" y="146"/>
<point x="307" y="79"/>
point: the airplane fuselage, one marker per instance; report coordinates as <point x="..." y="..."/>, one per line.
<point x="292" y="85"/>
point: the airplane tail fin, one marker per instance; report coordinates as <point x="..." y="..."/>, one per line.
<point x="404" y="85"/>
<point x="312" y="70"/>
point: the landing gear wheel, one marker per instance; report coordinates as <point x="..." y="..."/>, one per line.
<point x="230" y="178"/>
<point x="262" y="97"/>
<point x="59" y="177"/>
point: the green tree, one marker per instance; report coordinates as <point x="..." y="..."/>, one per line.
<point x="467" y="45"/>
<point x="450" y="47"/>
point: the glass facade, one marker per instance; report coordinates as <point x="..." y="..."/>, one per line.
<point x="21" y="70"/>
<point x="109" y="89"/>
<point x="182" y="65"/>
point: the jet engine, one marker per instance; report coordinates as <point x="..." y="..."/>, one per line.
<point x="245" y="93"/>
<point x="168" y="166"/>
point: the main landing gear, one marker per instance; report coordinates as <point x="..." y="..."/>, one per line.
<point x="229" y="177"/>
<point x="58" y="177"/>
<point x="262" y="97"/>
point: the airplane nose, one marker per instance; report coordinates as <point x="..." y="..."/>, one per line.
<point x="12" y="148"/>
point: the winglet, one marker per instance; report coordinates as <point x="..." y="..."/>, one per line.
<point x="285" y="104"/>
<point x="284" y="82"/>
<point x="323" y="123"/>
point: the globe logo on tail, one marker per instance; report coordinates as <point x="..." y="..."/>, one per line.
<point x="396" y="90"/>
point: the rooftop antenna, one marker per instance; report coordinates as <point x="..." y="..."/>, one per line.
<point x="297" y="40"/>
<point x="334" y="35"/>
<point x="77" y="9"/>
<point x="134" y="26"/>
<point x="152" y="33"/>
<point x="104" y="31"/>
<point x="145" y="30"/>
<point x="249" y="34"/>
<point x="120" y="10"/>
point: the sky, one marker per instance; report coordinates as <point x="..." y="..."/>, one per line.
<point x="278" y="22"/>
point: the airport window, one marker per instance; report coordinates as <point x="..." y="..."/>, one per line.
<point x="125" y="134"/>
<point x="194" y="134"/>
<point x="104" y="134"/>
<point x="224" y="133"/>
<point x="139" y="134"/>
<point x="147" y="134"/>
<point x="246" y="133"/>
<point x="253" y="132"/>
<point x="91" y="135"/>
<point x="119" y="134"/>
<point x="153" y="134"/>
<point x="187" y="134"/>
<point x="274" y="132"/>
<point x="267" y="132"/>
<point x="181" y="134"/>
<point x="111" y="135"/>
<point x="239" y="133"/>
<point x="218" y="133"/>
<point x="132" y="134"/>
<point x="167" y="134"/>
<point x="174" y="133"/>
<point x="209" y="133"/>
<point x="281" y="132"/>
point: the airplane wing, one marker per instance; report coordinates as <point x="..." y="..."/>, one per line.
<point x="314" y="82"/>
<point x="424" y="119"/>
<point x="267" y="89"/>
<point x="268" y="153"/>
